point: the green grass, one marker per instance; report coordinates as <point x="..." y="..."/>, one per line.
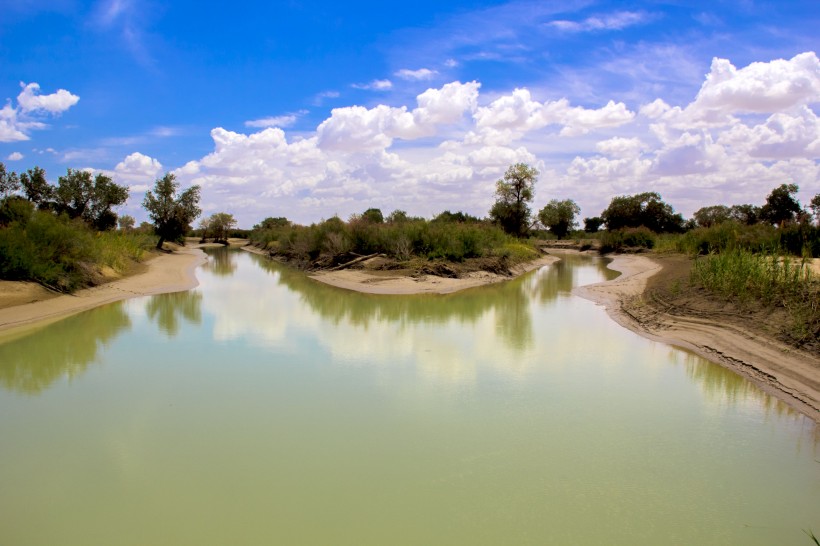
<point x="768" y="280"/>
<point x="64" y="254"/>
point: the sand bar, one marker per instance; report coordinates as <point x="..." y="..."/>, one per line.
<point x="368" y="283"/>
<point x="171" y="272"/>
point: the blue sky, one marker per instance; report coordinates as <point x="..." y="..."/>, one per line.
<point x="310" y="109"/>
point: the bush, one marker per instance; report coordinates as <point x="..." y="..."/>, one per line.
<point x="614" y="241"/>
<point x="64" y="254"/>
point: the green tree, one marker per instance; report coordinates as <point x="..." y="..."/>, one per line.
<point x="814" y="205"/>
<point x="559" y="216"/>
<point x="373" y="216"/>
<point x="781" y="206"/>
<point x="81" y="196"/>
<point x="592" y="225"/>
<point x="644" y="209"/>
<point x="219" y="226"/>
<point x="712" y="215"/>
<point x="36" y="188"/>
<point x="9" y="182"/>
<point x="513" y="193"/>
<point x="745" y="214"/>
<point x="171" y="214"/>
<point x="126" y="222"/>
<point x="397" y="216"/>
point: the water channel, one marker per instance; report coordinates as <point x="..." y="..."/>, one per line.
<point x="266" y="408"/>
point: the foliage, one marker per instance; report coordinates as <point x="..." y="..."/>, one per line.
<point x="709" y="216"/>
<point x="621" y="239"/>
<point x="455" y="217"/>
<point x="126" y="222"/>
<point x="373" y="216"/>
<point x="593" y="224"/>
<point x="814" y="205"/>
<point x="644" y="209"/>
<point x="768" y="279"/>
<point x="80" y="196"/>
<point x="171" y="214"/>
<point x="437" y="239"/>
<point x="513" y="193"/>
<point x="397" y="216"/>
<point x="218" y="226"/>
<point x="9" y="182"/>
<point x="36" y="188"/>
<point x="781" y="206"/>
<point x="61" y="253"/>
<point x="15" y="209"/>
<point x="559" y="216"/>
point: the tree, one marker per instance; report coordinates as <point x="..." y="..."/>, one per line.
<point x="373" y="216"/>
<point x="397" y="217"/>
<point x="219" y="225"/>
<point x="513" y="193"/>
<point x="9" y="182"/>
<point x="36" y="188"/>
<point x="712" y="215"/>
<point x="592" y="225"/>
<point x="171" y="214"/>
<point x="271" y="223"/>
<point x="814" y="205"/>
<point x="559" y="216"/>
<point x="644" y="209"/>
<point x="745" y="214"/>
<point x="781" y="206"/>
<point x="80" y="196"/>
<point x="126" y="222"/>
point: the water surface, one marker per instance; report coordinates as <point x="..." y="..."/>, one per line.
<point x="264" y="407"/>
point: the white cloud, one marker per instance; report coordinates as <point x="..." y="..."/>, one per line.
<point x="761" y="87"/>
<point x="17" y="122"/>
<point x="138" y="170"/>
<point x="447" y="150"/>
<point x="274" y="121"/>
<point x="30" y="101"/>
<point x="420" y="74"/>
<point x="375" y="85"/>
<point x="612" y="21"/>
<point x="15" y="156"/>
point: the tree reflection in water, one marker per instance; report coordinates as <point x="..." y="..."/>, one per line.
<point x="510" y="302"/>
<point x="168" y="310"/>
<point x="221" y="261"/>
<point x="66" y="348"/>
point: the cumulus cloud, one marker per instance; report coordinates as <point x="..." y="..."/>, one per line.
<point x="448" y="149"/>
<point x="15" y="156"/>
<point x="29" y="100"/>
<point x="138" y="170"/>
<point x="420" y="74"/>
<point x="510" y="116"/>
<point x="17" y="122"/>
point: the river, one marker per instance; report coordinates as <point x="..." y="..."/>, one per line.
<point x="266" y="408"/>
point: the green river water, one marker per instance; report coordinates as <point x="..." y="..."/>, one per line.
<point x="265" y="408"/>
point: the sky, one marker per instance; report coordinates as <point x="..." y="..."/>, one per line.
<point x="309" y="109"/>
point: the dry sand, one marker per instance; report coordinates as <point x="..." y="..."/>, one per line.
<point x="26" y="304"/>
<point x="787" y="373"/>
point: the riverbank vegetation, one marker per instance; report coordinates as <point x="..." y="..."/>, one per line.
<point x="63" y="236"/>
<point x="456" y="238"/>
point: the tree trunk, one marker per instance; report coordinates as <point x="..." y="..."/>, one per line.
<point x="159" y="243"/>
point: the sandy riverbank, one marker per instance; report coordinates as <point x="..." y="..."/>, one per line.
<point x="28" y="304"/>
<point x="787" y="373"/>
